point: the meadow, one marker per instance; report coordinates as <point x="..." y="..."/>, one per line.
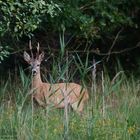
<point x="112" y="113"/>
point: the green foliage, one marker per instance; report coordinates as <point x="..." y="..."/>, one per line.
<point x="88" y="18"/>
<point x="4" y="52"/>
<point x="22" y="17"/>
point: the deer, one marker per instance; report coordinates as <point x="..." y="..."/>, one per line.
<point x="53" y="94"/>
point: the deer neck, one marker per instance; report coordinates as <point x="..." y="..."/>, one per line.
<point x="36" y="80"/>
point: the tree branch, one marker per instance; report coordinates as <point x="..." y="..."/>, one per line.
<point x="113" y="44"/>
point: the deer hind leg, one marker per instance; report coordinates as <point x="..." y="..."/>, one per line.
<point x="78" y="107"/>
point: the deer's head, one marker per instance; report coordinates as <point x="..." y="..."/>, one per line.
<point x="34" y="61"/>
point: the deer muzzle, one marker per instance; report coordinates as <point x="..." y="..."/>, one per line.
<point x="34" y="72"/>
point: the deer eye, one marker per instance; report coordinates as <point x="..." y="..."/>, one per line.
<point x="38" y="65"/>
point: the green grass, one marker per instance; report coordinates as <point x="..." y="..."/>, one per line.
<point x="113" y="116"/>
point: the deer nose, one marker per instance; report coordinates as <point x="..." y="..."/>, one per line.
<point x="34" y="72"/>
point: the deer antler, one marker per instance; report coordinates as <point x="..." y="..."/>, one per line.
<point x="38" y="46"/>
<point x="30" y="47"/>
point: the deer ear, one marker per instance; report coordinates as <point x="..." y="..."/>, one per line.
<point x="41" y="56"/>
<point x="27" y="57"/>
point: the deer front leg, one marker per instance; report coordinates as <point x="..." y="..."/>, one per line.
<point x="41" y="103"/>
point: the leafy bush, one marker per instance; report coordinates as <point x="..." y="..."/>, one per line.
<point x="23" y="17"/>
<point x="83" y="18"/>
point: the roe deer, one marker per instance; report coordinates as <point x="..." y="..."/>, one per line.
<point x="46" y="93"/>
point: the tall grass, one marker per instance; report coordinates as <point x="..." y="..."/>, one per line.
<point x="115" y="116"/>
